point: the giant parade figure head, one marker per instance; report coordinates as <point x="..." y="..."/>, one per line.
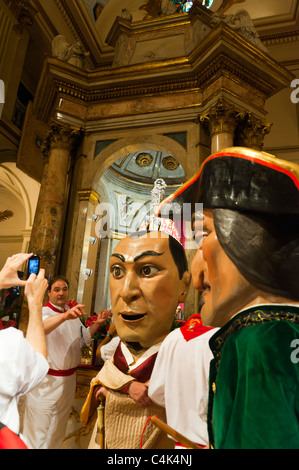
<point x="148" y="279"/>
<point x="249" y="251"/>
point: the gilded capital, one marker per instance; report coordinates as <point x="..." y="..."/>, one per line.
<point x="60" y="136"/>
<point x="88" y="195"/>
<point x="252" y="131"/>
<point x="222" y="117"/>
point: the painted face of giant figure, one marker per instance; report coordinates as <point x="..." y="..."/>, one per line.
<point x="250" y="234"/>
<point x="146" y="288"/>
<point x="224" y="289"/>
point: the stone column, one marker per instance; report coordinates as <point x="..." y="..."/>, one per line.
<point x="221" y="120"/>
<point x="48" y="223"/>
<point x="251" y="132"/>
<point x="88" y="249"/>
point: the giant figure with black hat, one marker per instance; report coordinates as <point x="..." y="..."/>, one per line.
<point x="247" y="268"/>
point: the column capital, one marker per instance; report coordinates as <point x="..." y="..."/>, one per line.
<point x="89" y="195"/>
<point x="251" y="132"/>
<point x="221" y="117"/>
<point x="23" y="11"/>
<point x="60" y="136"/>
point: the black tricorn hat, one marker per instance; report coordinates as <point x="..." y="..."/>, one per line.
<point x="242" y="179"/>
<point x="255" y="201"/>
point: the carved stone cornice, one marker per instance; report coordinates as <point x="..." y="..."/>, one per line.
<point x="280" y="38"/>
<point x="60" y="136"/>
<point x="223" y="63"/>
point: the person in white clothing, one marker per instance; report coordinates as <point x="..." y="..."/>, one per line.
<point x="180" y="380"/>
<point x="23" y="363"/>
<point x="48" y="405"/>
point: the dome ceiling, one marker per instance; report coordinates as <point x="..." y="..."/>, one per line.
<point x="148" y="165"/>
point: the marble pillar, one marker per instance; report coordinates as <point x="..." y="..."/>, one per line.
<point x="47" y="228"/>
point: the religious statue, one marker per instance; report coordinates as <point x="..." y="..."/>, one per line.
<point x="242" y="24"/>
<point x="71" y="53"/>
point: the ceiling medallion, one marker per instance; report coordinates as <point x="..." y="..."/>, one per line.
<point x="170" y="163"/>
<point x="144" y="159"/>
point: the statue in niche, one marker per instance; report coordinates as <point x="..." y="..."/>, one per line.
<point x="156" y="8"/>
<point x="242" y="24"/>
<point x="126" y="14"/>
<point x="73" y="54"/>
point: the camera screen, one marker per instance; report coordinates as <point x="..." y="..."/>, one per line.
<point x="33" y="266"/>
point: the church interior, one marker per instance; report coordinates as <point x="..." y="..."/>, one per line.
<point x="100" y="98"/>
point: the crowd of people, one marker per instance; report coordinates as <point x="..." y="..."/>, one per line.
<point x="227" y="378"/>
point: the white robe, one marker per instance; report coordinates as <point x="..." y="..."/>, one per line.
<point x="48" y="405"/>
<point x="21" y="369"/>
<point x="179" y="382"/>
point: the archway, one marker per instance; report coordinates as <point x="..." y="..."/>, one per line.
<point x="125" y="189"/>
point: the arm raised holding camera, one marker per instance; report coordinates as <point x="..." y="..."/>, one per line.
<point x="9" y="273"/>
<point x="35" y="288"/>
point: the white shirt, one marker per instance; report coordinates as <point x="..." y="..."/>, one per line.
<point x="65" y="342"/>
<point x="21" y="369"/>
<point x="108" y="349"/>
<point x="179" y="383"/>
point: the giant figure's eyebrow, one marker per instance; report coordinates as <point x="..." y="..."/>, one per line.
<point x="141" y="255"/>
<point x="117" y="255"/>
<point x="147" y="253"/>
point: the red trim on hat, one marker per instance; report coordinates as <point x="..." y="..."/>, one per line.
<point x="230" y="154"/>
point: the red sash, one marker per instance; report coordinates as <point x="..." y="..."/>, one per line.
<point x="9" y="439"/>
<point x="62" y="373"/>
<point x="194" y="327"/>
<point x="59" y="373"/>
<point x="142" y="373"/>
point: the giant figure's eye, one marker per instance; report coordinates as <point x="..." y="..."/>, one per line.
<point x="117" y="271"/>
<point x="149" y="270"/>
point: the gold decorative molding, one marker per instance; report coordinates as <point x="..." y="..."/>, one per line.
<point x="280" y="38"/>
<point x="88" y="195"/>
<point x="222" y="62"/>
<point x="144" y="159"/>
<point x="170" y="163"/>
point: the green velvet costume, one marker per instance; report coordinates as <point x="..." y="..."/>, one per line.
<point x="254" y="380"/>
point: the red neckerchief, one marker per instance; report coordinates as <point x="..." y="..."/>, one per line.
<point x="52" y="307"/>
<point x="142" y="373"/>
<point x="194" y="327"/>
